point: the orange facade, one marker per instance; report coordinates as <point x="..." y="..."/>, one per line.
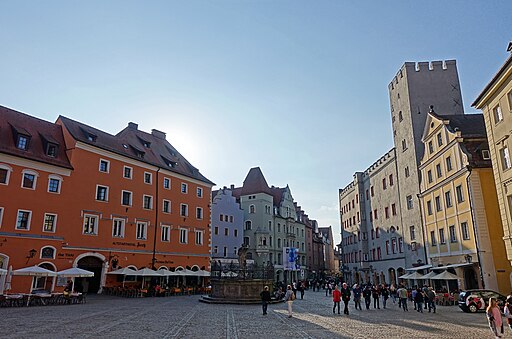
<point x="111" y="210"/>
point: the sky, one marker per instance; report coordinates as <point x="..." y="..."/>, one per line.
<point x="298" y="88"/>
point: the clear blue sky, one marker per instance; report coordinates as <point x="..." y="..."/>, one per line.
<point x="290" y="86"/>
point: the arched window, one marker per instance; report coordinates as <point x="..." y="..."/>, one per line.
<point x="248" y="225"/>
<point x="5" y="174"/>
<point x="252" y="209"/>
<point x="54" y="183"/>
<point x="48" y="252"/>
<point x="29" y="179"/>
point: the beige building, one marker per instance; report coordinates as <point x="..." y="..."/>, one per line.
<point x="459" y="203"/>
<point x="496" y="103"/>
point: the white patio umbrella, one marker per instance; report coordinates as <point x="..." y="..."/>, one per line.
<point x="404" y="276"/>
<point x="146" y="272"/>
<point x="445" y="275"/>
<point x="203" y="273"/>
<point x="429" y="275"/>
<point x="35" y="271"/>
<point x="415" y="275"/>
<point x="124" y="272"/>
<point x="75" y="272"/>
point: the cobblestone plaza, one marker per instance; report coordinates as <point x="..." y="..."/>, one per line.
<point x="186" y="317"/>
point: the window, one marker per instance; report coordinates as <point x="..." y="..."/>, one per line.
<point x="505" y="158"/>
<point x="448" y="199"/>
<point x="367" y="197"/>
<point x="442" y="239"/>
<point x="486" y="155"/>
<point x="409" y="202"/>
<point x="248" y="225"/>
<point x="438" y="203"/>
<point x="429" y="176"/>
<point x="166" y="206"/>
<point x="104" y="166"/>
<point x="465" y="230"/>
<point x="400" y="245"/>
<point x="390" y="180"/>
<point x="22" y="142"/>
<point x="252" y="209"/>
<point x="216" y="230"/>
<point x="141" y="230"/>
<point x="101" y="193"/>
<point x="460" y="195"/>
<point x="404" y="145"/>
<point x="29" y="180"/>
<point x="126" y="198"/>
<point x="246" y="241"/>
<point x="430" y="147"/>
<point x="439" y="139"/>
<point x="387" y="247"/>
<point x="184" y="210"/>
<point x="184" y="188"/>
<point x="384" y="184"/>
<point x="226" y="231"/>
<point x="199" y="192"/>
<point x="429" y="207"/>
<point x="148" y="178"/>
<point x="5" y="172"/>
<point x="438" y="171"/>
<point x="235" y="233"/>
<point x="199" y="213"/>
<point x="372" y="193"/>
<point x="453" y="234"/>
<point x="377" y="234"/>
<point x="449" y="164"/>
<point x="400" y="116"/>
<point x="433" y="240"/>
<point x="498" y="116"/>
<point x="216" y="249"/>
<point x="393" y="209"/>
<point x="407" y="173"/>
<point x="118" y="228"/>
<point x="375" y="214"/>
<point x="48" y="252"/>
<point x="386" y="212"/>
<point x="166" y="233"/>
<point x="54" y="184"/>
<point x="127" y="172"/>
<point x="183" y="235"/>
<point x="412" y="233"/>
<point x="167" y="183"/>
<point x="90" y="224"/>
<point x="50" y="221"/>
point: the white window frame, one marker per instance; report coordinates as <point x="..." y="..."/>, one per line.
<point x="144" y="236"/>
<point x="439" y="139"/>
<point x="54" y="177"/>
<point x="186" y="210"/>
<point x="409" y="202"/>
<point x="449" y="165"/>
<point x="498" y="114"/>
<point x="184" y="188"/>
<point x="442" y="236"/>
<point x="448" y="199"/>
<point x="453" y="233"/>
<point x="166" y="231"/>
<point x="106" y="194"/>
<point x="54" y="252"/>
<point x="9" y="170"/>
<point x="505" y="158"/>
<point x="163" y="206"/>
<point x="199" y="213"/>
<point x="28" y="220"/>
<point x="166" y="179"/>
<point x="122" y="228"/>
<point x="199" y="237"/>
<point x="433" y="240"/>
<point x="199" y="192"/>
<point x="54" y="222"/>
<point x="30" y="172"/>
<point x="183" y="236"/>
<point x="461" y="194"/>
<point x="96" y="224"/>
<point x="465" y="230"/>
<point x="124" y="172"/>
<point x="144" y="196"/>
<point x="150" y="178"/>
<point x="108" y="166"/>
<point x="122" y="198"/>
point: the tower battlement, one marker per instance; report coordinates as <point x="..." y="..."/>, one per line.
<point x="423" y="66"/>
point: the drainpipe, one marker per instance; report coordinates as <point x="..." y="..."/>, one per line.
<point x="475" y="226"/>
<point x="426" y="250"/>
<point x="153" y="259"/>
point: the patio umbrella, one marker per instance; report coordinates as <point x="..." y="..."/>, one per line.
<point x="445" y="275"/>
<point x="75" y="272"/>
<point x="203" y="273"/>
<point x="146" y="272"/>
<point x="415" y="275"/>
<point x="404" y="276"/>
<point x="123" y="271"/>
<point x="34" y="271"/>
<point x="429" y="275"/>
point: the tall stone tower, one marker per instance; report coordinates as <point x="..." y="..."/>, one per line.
<point x="412" y="91"/>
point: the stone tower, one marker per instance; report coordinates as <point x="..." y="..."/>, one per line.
<point x="412" y="91"/>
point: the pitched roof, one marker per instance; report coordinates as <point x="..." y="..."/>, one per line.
<point x="494" y="79"/>
<point x="470" y="125"/>
<point x="40" y="134"/>
<point x="255" y="182"/>
<point x="151" y="148"/>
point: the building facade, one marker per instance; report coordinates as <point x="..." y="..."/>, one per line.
<point x="459" y="203"/>
<point x="495" y="101"/>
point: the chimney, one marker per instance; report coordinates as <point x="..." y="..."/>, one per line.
<point x="232" y="186"/>
<point x="132" y="125"/>
<point x="158" y="134"/>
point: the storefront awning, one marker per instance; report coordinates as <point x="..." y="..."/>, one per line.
<point x="453" y="266"/>
<point x="418" y="268"/>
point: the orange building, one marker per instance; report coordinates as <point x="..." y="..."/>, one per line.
<point x="75" y="196"/>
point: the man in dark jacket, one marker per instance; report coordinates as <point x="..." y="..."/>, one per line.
<point x="345" y="296"/>
<point x="376" y="296"/>
<point x="265" y="299"/>
<point x="367" y="295"/>
<point x="356" y="290"/>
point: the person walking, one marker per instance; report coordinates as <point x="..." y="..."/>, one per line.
<point x="289" y="297"/>
<point x="265" y="299"/>
<point x="494" y="318"/>
<point x="376" y="295"/>
<point x="413" y="295"/>
<point x="402" y="297"/>
<point x="392" y="293"/>
<point x="431" y="300"/>
<point x="419" y="300"/>
<point x="336" y="299"/>
<point x="385" y="295"/>
<point x="507" y="311"/>
<point x="345" y="294"/>
<point x="302" y="288"/>
<point x="367" y="295"/>
<point x="356" y="291"/>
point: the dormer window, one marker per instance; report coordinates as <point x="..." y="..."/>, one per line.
<point x="145" y="143"/>
<point x="91" y="137"/>
<point x="51" y="150"/>
<point x="22" y="142"/>
<point x="169" y="163"/>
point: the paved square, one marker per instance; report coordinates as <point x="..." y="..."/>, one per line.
<point x="185" y="317"/>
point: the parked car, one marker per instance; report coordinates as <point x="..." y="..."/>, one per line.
<point x="478" y="300"/>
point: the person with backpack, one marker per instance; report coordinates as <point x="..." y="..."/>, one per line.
<point x="289" y="297"/>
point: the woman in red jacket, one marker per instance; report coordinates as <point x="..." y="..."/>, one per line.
<point x="336" y="298"/>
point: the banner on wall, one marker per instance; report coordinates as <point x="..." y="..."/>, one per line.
<point x="291" y="259"/>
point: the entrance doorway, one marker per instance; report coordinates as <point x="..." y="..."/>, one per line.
<point x="470" y="279"/>
<point x="92" y="264"/>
